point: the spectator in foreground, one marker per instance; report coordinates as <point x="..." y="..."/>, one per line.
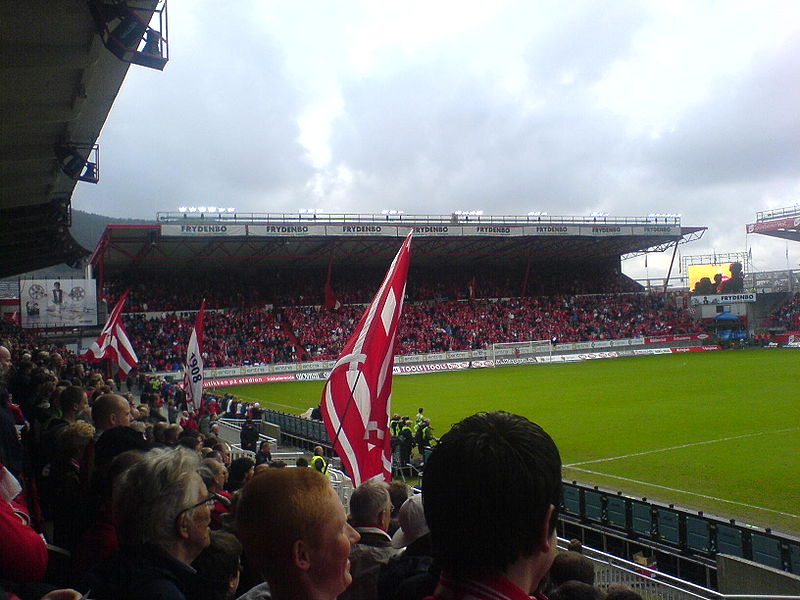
<point x="219" y="567"/>
<point x="576" y="590"/>
<point x="370" y="513"/>
<point x="491" y="491"/>
<point x="412" y="574"/>
<point x="570" y="566"/>
<point x="162" y="509"/>
<point x="295" y="534"/>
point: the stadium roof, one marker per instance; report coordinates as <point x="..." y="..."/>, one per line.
<point x="57" y="85"/>
<point x="277" y="241"/>
<point x="781" y="223"/>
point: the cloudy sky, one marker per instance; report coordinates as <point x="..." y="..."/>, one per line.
<point x="624" y="107"/>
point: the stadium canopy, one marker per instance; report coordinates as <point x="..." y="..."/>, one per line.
<point x="285" y="241"/>
<point x="58" y="82"/>
<point x="781" y="223"/>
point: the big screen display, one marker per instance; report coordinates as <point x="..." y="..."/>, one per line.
<point x="713" y="279"/>
<point x="51" y="303"/>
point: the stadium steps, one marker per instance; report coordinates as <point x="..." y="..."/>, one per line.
<point x="300" y="352"/>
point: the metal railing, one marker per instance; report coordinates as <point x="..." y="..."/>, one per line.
<point x="230" y="430"/>
<point x="777" y="213"/>
<point x="650" y="583"/>
<point x="451" y="219"/>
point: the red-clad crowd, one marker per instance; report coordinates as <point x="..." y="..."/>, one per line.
<point x="235" y="337"/>
<point x="153" y="292"/>
<point x="445" y="326"/>
<point x="266" y="335"/>
<point x="787" y="315"/>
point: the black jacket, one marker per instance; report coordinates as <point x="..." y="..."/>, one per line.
<point x="142" y="573"/>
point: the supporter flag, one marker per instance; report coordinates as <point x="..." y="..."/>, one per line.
<point x="330" y="302"/>
<point x="357" y="396"/>
<point x="193" y="369"/>
<point x="113" y="342"/>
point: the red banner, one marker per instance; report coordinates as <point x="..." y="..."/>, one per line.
<point x="247" y="379"/>
<point x="775" y="225"/>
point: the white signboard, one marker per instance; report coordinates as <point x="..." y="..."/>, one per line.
<point x="58" y="303"/>
<point x="203" y="230"/>
<point x="286" y="230"/>
<point x="493" y="231"/>
<point x="722" y="299"/>
<point x="554" y="229"/>
<point x="362" y="230"/>
<point x="606" y="230"/>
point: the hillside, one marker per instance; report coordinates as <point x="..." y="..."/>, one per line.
<point x="86" y="229"/>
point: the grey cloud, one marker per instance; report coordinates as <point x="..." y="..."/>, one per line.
<point x="749" y="130"/>
<point x="584" y="40"/>
<point x="219" y="125"/>
<point x="436" y="129"/>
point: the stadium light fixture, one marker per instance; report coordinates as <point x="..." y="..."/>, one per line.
<point x="537" y="213"/>
<point x="392" y="211"/>
<point x="79" y="161"/>
<point x="134" y="34"/>
<point x="182" y="209"/>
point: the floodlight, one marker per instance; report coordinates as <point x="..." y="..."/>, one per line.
<point x="79" y="161"/>
<point x="124" y="28"/>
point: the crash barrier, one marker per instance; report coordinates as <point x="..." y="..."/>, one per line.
<point x="680" y="531"/>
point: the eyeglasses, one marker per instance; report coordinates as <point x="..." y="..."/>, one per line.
<point x="210" y="501"/>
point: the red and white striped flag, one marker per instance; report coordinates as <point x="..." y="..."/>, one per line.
<point x="193" y="369"/>
<point x="357" y="396"/>
<point x="113" y="342"/>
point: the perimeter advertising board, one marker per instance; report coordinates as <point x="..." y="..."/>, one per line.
<point x="51" y="303"/>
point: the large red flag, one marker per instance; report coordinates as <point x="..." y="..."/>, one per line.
<point x="113" y="342"/>
<point x="330" y="302"/>
<point x="357" y="396"/>
<point x="193" y="369"/>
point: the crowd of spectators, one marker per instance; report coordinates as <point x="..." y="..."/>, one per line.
<point x="235" y="337"/>
<point x="262" y="335"/>
<point x="151" y="292"/>
<point x="118" y="488"/>
<point x="787" y="315"/>
<point x="452" y="326"/>
<point x="147" y="506"/>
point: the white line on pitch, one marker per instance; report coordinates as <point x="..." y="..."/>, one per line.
<point x="669" y="489"/>
<point x="689" y="445"/>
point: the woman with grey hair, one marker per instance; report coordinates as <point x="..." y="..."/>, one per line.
<point x="162" y="509"/>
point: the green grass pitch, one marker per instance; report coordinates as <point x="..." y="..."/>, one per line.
<point x="714" y="431"/>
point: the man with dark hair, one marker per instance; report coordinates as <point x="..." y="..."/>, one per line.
<point x="735" y="283"/>
<point x="249" y="435"/>
<point x="491" y="491"/>
<point x="571" y="566"/>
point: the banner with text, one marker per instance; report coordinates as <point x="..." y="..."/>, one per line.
<point x="722" y="299"/>
<point x="210" y="229"/>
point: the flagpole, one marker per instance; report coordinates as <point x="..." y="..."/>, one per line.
<point x="346" y="406"/>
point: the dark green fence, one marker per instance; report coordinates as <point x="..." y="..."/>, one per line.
<point x="686" y="531"/>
